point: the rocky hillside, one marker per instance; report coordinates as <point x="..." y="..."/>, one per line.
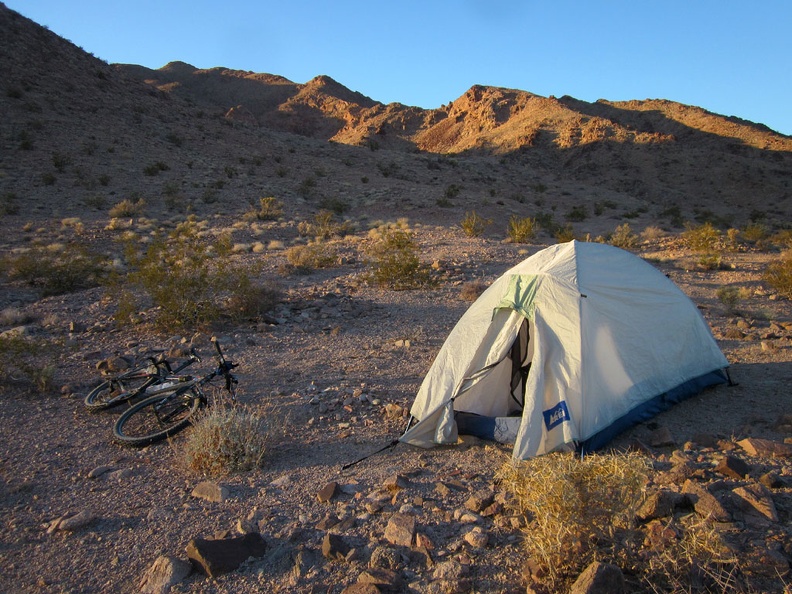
<point x="78" y="132"/>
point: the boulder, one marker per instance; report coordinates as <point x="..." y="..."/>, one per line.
<point x="216" y="557"/>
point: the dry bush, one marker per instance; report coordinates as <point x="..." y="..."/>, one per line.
<point x="26" y="362"/>
<point x="522" y="229"/>
<point x="56" y="269"/>
<point x="623" y="237"/>
<point x="270" y="208"/>
<point x="652" y="233"/>
<point x="227" y="439"/>
<point x="324" y="226"/>
<point x="472" y="290"/>
<point x="473" y="224"/>
<point x="127" y="208"/>
<point x="314" y="255"/>
<point x="703" y="238"/>
<point x="779" y="275"/>
<point x="394" y="261"/>
<point x="576" y="510"/>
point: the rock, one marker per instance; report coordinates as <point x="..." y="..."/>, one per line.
<point x="659" y="535"/>
<point x="327" y="522"/>
<point x="449" y="570"/>
<point x="99" y="471"/>
<point x="756" y="498"/>
<point x="659" y="504"/>
<point x="771" y="480"/>
<point x="216" y="557"/>
<point x="327" y="492"/>
<point x="733" y="467"/>
<point x="705" y="504"/>
<point x="661" y="437"/>
<point x="385" y="558"/>
<point x="400" y="530"/>
<point x="705" y="440"/>
<point x="765" y="448"/>
<point x="210" y="491"/>
<point x="385" y="580"/>
<point x="361" y="588"/>
<point x="479" y="500"/>
<point x="335" y="548"/>
<point x="73" y="522"/>
<point x="165" y="572"/>
<point x="477" y="538"/>
<point x="599" y="578"/>
<point x="394" y="411"/>
<point x="396" y="482"/>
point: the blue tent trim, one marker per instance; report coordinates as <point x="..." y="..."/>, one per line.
<point x="653" y="407"/>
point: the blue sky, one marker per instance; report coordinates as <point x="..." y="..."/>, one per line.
<point x="728" y="56"/>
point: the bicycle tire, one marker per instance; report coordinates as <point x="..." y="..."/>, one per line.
<point x="158" y="417"/>
<point x="117" y="390"/>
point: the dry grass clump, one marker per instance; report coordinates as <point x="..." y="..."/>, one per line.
<point x="226" y="439"/>
<point x="472" y="290"/>
<point x="577" y="510"/>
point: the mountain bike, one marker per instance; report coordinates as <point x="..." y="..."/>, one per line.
<point x="171" y="409"/>
<point x="129" y="385"/>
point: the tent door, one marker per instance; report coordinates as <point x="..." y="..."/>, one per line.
<point x="521" y="365"/>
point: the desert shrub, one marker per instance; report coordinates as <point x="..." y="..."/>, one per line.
<point x="226" y="440"/>
<point x="473" y="224"/>
<point x="576" y="510"/>
<point x="69" y="268"/>
<point x="577" y="214"/>
<point x="323" y="226"/>
<point x="24" y="362"/>
<point x="187" y="276"/>
<point x="472" y="290"/>
<point x="623" y="237"/>
<point x="127" y="208"/>
<point x="674" y="216"/>
<point x="335" y="205"/>
<point x="754" y="233"/>
<point x="710" y="261"/>
<point x="270" y="208"/>
<point x="547" y="222"/>
<point x="652" y="233"/>
<point x="155" y="168"/>
<point x="702" y="238"/>
<point x="452" y="191"/>
<point x="564" y="234"/>
<point x="314" y="255"/>
<point x="8" y="204"/>
<point x="778" y="274"/>
<point x="394" y="262"/>
<point x="730" y="297"/>
<point x="521" y="229"/>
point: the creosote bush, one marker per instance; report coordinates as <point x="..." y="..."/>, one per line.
<point x="127" y="208"/>
<point x="67" y="269"/>
<point x="778" y="275"/>
<point x="394" y="261"/>
<point x="473" y="224"/>
<point x="270" y="208"/>
<point x="623" y="237"/>
<point x="702" y="238"/>
<point x="225" y="440"/>
<point x="522" y="229"/>
<point x="323" y="226"/>
<point x="188" y="277"/>
<point x="24" y="362"/>
<point x="305" y="258"/>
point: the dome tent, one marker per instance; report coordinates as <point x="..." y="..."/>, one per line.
<point x="566" y="349"/>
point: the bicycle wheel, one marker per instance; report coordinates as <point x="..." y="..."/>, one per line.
<point x="118" y="390"/>
<point x="158" y="417"/>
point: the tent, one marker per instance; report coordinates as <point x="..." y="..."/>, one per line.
<point x="565" y="350"/>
